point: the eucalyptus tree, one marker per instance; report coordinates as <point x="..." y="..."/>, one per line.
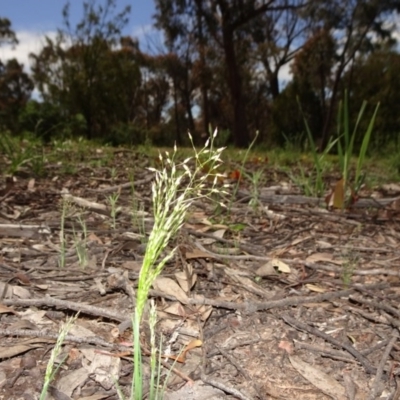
<point x="357" y="26"/>
<point x="89" y="68"/>
<point x="225" y="26"/>
<point x="7" y="35"/>
<point x="15" y="85"/>
<point x="15" y="90"/>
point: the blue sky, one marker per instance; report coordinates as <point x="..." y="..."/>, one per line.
<point x="33" y="19"/>
<point x="46" y="14"/>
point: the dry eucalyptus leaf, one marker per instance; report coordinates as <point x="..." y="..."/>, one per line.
<point x="315" y="288"/>
<point x="273" y="267"/>
<point x="186" y="282"/>
<point x="170" y="287"/>
<point x="318" y="378"/>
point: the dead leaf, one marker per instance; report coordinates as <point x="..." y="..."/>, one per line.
<point x="219" y="233"/>
<point x="327" y="257"/>
<point x="315" y="288"/>
<point x="197" y="254"/>
<point x="31" y="185"/>
<point x="318" y="378"/>
<point x="186" y="280"/>
<point x="26" y="345"/>
<point x="191" y="345"/>
<point x="273" y="267"/>
<point x="170" y="287"/>
<point x="5" y="310"/>
<point x="132" y="265"/>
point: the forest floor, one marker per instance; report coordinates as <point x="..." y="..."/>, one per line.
<point x="275" y="297"/>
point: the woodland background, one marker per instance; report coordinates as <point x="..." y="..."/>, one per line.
<point x="219" y="66"/>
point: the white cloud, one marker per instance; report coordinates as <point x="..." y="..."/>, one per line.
<point x="142" y="31"/>
<point x="29" y="42"/>
<point x="285" y="75"/>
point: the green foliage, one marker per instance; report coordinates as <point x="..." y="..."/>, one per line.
<point x="15" y="90"/>
<point x="375" y="78"/>
<point x="84" y="72"/>
<point x="20" y="152"/>
<point x="346" y="141"/>
<point x="52" y="367"/>
<point x="288" y="120"/>
<point x="313" y="183"/>
<point x="48" y="121"/>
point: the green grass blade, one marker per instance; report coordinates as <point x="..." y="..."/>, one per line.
<point x="364" y="145"/>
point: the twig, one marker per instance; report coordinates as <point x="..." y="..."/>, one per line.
<point x="224" y="387"/>
<point x="234" y="363"/>
<point x="375" y="387"/>
<point x="356" y="354"/>
<point x="251" y="307"/>
<point x="375" y="304"/>
<point x="339" y="270"/>
<point x="66" y="305"/>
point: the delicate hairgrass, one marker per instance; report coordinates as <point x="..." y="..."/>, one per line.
<point x="80" y="242"/>
<point x="155" y="362"/>
<point x="50" y="370"/>
<point x="255" y="179"/>
<point x="176" y="186"/>
<point x="112" y="200"/>
<point x="65" y="206"/>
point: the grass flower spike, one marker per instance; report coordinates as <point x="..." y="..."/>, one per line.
<point x="176" y="186"/>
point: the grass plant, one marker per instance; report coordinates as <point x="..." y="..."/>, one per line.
<point x="348" y="267"/>
<point x="112" y="200"/>
<point x="65" y="206"/>
<point x="80" y="242"/>
<point x="313" y="184"/>
<point x="51" y="370"/>
<point x="242" y="171"/>
<point x="255" y="179"/>
<point x="346" y="141"/>
<point x="175" y="188"/>
<point x="19" y="152"/>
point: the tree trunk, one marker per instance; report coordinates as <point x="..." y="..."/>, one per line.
<point x="274" y="84"/>
<point x="329" y="110"/>
<point x="178" y="136"/>
<point x="240" y="132"/>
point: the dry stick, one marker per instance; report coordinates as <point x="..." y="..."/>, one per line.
<point x="234" y="363"/>
<point x="225" y="388"/>
<point x="54" y="336"/>
<point x="376" y="271"/>
<point x="356" y="354"/>
<point x="375" y="388"/>
<point x="127" y="185"/>
<point x="69" y="305"/>
<point x="375" y="304"/>
<point x="243" y="246"/>
<point x="339" y="270"/>
<point x="327" y="352"/>
<point x="251" y="307"/>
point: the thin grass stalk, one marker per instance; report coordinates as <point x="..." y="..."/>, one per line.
<point x="364" y="147"/>
<point x="50" y="369"/>
<point x="246" y="155"/>
<point x="137" y="382"/>
<point x="153" y="350"/>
